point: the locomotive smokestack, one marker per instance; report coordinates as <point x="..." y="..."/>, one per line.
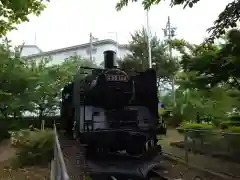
<point x="109" y="59"/>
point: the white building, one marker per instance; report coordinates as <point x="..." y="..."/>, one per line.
<point x="83" y="50"/>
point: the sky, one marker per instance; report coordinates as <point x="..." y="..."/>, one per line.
<point x="68" y="22"/>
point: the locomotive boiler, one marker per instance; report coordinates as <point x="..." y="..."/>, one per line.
<point x="112" y="109"/>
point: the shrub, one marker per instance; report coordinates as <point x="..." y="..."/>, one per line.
<point x="226" y="124"/>
<point x="19" y="138"/>
<point x="17" y="124"/>
<point x="173" y="121"/>
<point x="235" y="118"/>
<point x="190" y="128"/>
<point x="25" y="122"/>
<point x="195" y="126"/>
<point x="35" y="147"/>
<point x="234" y="129"/>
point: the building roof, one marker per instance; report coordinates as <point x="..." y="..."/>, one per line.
<point x="101" y="42"/>
<point x="32" y="46"/>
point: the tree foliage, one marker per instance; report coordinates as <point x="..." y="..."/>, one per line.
<point x="16" y="12"/>
<point x="209" y="82"/>
<point x="228" y="18"/>
<point x="32" y="85"/>
<point x="138" y="59"/>
<point x="213" y="65"/>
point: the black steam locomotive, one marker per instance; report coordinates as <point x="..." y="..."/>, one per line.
<point x="113" y="109"/>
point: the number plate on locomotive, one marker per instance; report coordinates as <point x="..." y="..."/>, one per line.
<point x="116" y="77"/>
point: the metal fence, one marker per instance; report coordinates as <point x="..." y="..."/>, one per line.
<point x="224" y="145"/>
<point x="58" y="167"/>
<point x="214" y="150"/>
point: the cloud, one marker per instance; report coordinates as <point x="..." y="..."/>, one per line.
<point x="69" y="22"/>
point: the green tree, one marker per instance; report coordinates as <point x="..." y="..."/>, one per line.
<point x="209" y="90"/>
<point x="228" y="18"/>
<point x="14" y="78"/>
<point x="33" y="85"/>
<point x="215" y="65"/>
<point x="138" y="59"/>
<point x="46" y="90"/>
<point x="16" y="12"/>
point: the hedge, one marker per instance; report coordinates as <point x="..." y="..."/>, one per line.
<point x="23" y="123"/>
<point x="226" y="124"/>
<point x="185" y="125"/>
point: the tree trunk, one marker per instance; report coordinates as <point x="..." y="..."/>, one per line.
<point x="4" y="113"/>
<point x="40" y="116"/>
<point x="14" y="115"/>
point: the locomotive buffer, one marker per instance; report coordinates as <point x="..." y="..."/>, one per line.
<point x="114" y="111"/>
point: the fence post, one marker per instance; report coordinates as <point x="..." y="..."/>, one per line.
<point x="186" y="145"/>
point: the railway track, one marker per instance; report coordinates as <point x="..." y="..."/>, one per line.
<point x="171" y="167"/>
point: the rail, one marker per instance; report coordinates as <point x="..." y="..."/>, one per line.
<point x="58" y="167"/>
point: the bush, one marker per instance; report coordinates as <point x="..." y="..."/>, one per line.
<point x="19" y="138"/>
<point x="174" y="120"/>
<point x="234" y="129"/>
<point x="227" y="124"/>
<point x="25" y="122"/>
<point x="35" y="147"/>
<point x="235" y="118"/>
<point x="196" y="135"/>
<point x="195" y="126"/>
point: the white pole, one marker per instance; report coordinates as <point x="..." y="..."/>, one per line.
<point x="149" y="42"/>
<point x="35" y="38"/>
<point x="90" y="50"/>
<point x="168" y="32"/>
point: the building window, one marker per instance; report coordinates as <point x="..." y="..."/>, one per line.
<point x="94" y="50"/>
